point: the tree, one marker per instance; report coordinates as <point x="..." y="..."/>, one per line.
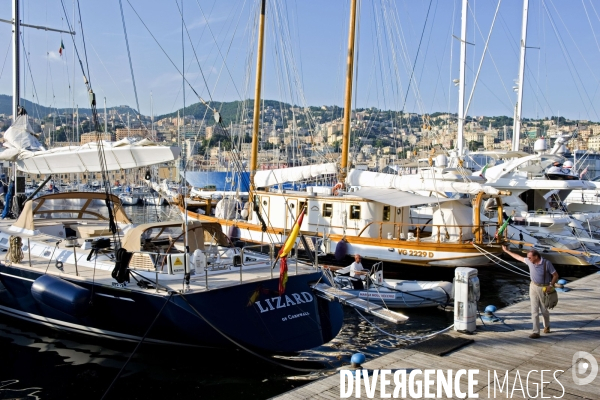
<point x="474" y="146"/>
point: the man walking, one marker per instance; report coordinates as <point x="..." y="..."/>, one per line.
<point x="543" y="276"/>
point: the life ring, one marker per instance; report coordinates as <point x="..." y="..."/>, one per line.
<point x="336" y="188"/>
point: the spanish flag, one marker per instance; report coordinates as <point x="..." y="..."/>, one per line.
<point x="285" y="250"/>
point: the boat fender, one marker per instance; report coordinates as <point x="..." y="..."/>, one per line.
<point x="234" y="233"/>
<point x="121" y="271"/>
<point x="341" y="250"/>
<point x="61" y="295"/>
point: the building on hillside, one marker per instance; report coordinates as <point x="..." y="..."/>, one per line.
<point x="123" y="133"/>
<point x="593" y="143"/>
<point x="93" y="137"/>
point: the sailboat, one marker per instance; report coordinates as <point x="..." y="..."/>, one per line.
<point x="355" y="217"/>
<point x="168" y="283"/>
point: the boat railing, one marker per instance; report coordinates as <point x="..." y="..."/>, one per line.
<point x="155" y="262"/>
<point x="549" y="213"/>
<point x="417" y="232"/>
<point x="258" y="248"/>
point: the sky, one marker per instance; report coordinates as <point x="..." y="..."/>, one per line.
<point x="407" y="56"/>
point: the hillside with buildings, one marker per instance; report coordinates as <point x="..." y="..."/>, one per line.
<point x="292" y="135"/>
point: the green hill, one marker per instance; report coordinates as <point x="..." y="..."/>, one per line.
<point x="38" y="111"/>
<point x="229" y="110"/>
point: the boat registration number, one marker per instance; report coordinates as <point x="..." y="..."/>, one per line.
<point x="365" y="295"/>
<point x="415" y="253"/>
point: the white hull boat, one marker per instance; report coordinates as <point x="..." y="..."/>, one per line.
<point x="393" y="293"/>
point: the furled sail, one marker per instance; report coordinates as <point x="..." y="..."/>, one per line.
<point x="273" y="177"/>
<point x="414" y="183"/>
<point x="119" y="155"/>
<point x="19" y="138"/>
<point x="23" y="147"/>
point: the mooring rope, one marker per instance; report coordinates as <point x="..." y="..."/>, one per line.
<point x="138" y="345"/>
<point x="243" y="347"/>
<point x="405" y="338"/>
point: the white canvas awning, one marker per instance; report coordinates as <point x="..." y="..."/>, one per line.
<point x="397" y="198"/>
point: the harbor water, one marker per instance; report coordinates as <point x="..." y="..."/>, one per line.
<point x="42" y="362"/>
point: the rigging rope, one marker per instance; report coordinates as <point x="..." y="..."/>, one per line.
<point x="137" y="103"/>
<point x="401" y="337"/>
<point x="138" y="345"/>
<point x="417" y="55"/>
<point x="96" y="124"/>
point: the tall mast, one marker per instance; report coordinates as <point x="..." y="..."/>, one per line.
<point x="152" y="116"/>
<point x="16" y="48"/>
<point x="461" y="78"/>
<point x="76" y="138"/>
<point x="348" y="94"/>
<point x="519" y="105"/>
<point x="257" y="90"/>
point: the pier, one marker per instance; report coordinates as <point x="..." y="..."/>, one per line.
<point x="575" y="326"/>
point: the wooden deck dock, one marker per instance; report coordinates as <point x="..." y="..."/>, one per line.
<point x="575" y="326"/>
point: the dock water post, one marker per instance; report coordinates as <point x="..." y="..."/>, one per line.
<point x="466" y="295"/>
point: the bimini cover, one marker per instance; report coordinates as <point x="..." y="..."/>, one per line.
<point x="397" y="198"/>
<point x="74" y="159"/>
<point x="450" y="217"/>
<point x="19" y="138"/>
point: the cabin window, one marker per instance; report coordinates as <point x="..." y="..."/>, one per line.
<point x="302" y="205"/>
<point x="386" y="213"/>
<point x="327" y="210"/>
<point x="354" y="212"/>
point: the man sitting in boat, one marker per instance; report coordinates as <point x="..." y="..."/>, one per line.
<point x="356" y="267"/>
<point x="356" y="270"/>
